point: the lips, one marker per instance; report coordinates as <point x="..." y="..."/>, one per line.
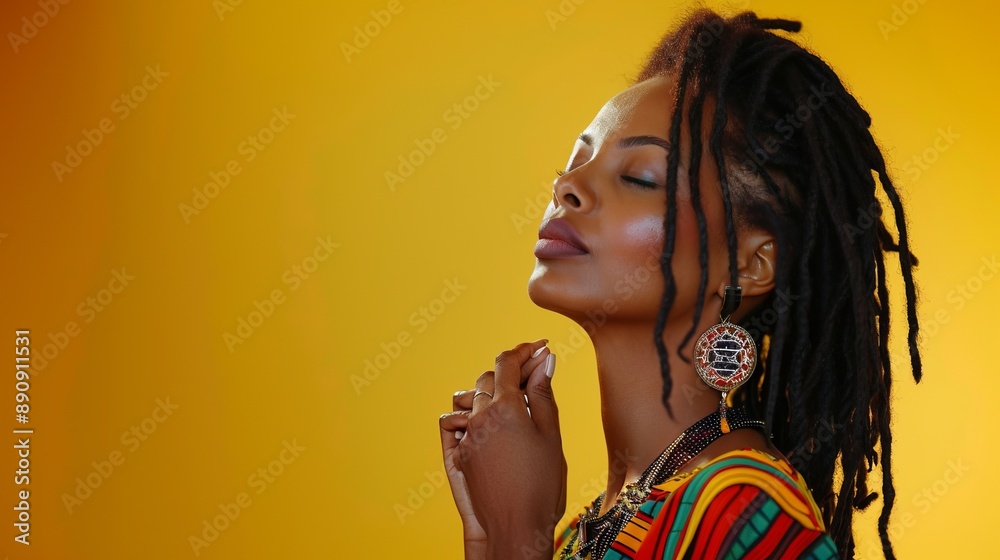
<point x="557" y="239"/>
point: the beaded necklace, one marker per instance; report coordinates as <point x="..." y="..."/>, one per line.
<point x="596" y="533"/>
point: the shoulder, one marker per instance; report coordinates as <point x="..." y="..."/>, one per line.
<point x="742" y="502"/>
<point x="758" y="475"/>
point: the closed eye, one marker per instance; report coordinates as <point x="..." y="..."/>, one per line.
<point x="639" y="182"/>
<point x="626" y="178"/>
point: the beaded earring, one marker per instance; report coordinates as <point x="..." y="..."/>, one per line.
<point x="725" y="355"/>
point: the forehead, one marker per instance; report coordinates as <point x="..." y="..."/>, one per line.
<point x="644" y="108"/>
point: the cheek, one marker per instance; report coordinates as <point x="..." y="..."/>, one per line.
<point x="644" y="236"/>
<point x="641" y="241"/>
<point x="631" y="266"/>
<point x="638" y="250"/>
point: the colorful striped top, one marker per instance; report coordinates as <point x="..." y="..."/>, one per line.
<point x="743" y="504"/>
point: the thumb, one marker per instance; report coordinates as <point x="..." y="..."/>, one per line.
<point x="541" y="401"/>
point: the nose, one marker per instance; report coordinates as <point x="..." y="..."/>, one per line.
<point x="572" y="190"/>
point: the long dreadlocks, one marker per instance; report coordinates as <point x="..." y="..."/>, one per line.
<point x="796" y="157"/>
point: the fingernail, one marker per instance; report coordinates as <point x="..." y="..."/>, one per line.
<point x="459" y="434"/>
<point x="457" y="393"/>
<point x="537" y="352"/>
<point x="550" y="365"/>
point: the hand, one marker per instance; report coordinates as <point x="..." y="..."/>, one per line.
<point x="453" y="427"/>
<point x="452" y="430"/>
<point x="511" y="455"/>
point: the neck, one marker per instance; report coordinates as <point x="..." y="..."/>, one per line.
<point x="637" y="427"/>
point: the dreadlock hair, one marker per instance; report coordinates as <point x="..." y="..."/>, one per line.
<point x="795" y="157"/>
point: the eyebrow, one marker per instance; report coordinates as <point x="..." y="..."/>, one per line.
<point x="631" y="141"/>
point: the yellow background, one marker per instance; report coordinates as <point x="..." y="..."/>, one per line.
<point x="370" y="449"/>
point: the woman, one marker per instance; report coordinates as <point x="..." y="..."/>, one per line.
<point x="739" y="170"/>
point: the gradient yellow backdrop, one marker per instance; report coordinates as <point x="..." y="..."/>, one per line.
<point x="197" y="228"/>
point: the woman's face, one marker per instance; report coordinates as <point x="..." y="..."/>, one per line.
<point x="613" y="194"/>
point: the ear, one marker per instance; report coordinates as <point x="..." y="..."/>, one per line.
<point x="755" y="259"/>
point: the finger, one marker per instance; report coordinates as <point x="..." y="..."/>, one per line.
<point x="462" y="400"/>
<point x="541" y="400"/>
<point x="454" y="421"/>
<point x="509" y="366"/>
<point x="450" y="423"/>
<point x="540" y="366"/>
<point x="562" y="491"/>
<point x="538" y="357"/>
<point x="484" y="383"/>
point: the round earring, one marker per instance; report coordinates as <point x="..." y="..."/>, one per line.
<point x="725" y="355"/>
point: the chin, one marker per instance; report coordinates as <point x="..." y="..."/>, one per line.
<point x="580" y="296"/>
<point x="552" y="291"/>
<point x="539" y="290"/>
